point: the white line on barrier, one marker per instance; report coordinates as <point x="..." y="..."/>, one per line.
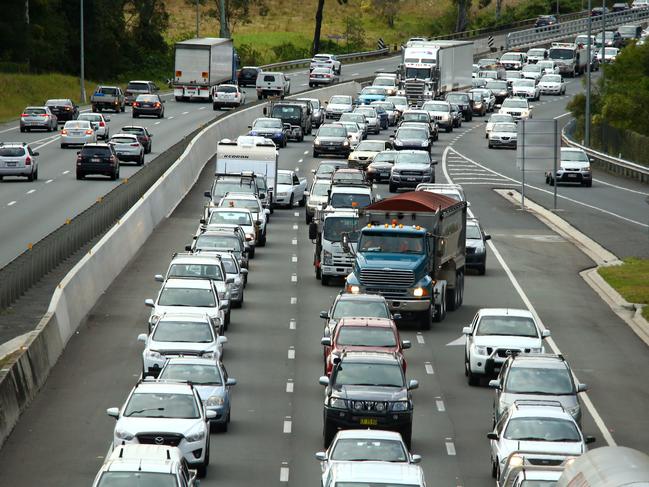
<point x="289" y="385"/>
<point x="294" y="278"/>
<point x="292" y="324"/>
<point x="185" y="113"/>
<point x="293" y="299"/>
<point x="429" y="368"/>
<point x="291" y="353"/>
<point x="294" y="258"/>
<point x="65" y="172"/>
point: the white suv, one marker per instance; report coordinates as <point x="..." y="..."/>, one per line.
<point x="496" y="333"/>
<point x="165" y="413"/>
<point x="18" y="159"/>
<point x="174" y="335"/>
<point x="145" y="465"/>
<point x="326" y="61"/>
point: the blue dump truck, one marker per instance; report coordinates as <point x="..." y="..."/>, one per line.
<point x="411" y="250"/>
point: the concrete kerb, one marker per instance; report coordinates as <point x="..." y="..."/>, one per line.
<point x="37" y="352"/>
<point x="631" y="313"/>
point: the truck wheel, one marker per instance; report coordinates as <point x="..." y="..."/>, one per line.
<point x="440" y="310"/>
<point x="472" y="379"/>
<point x="324" y="280"/>
<point x="406" y="434"/>
<point x="392" y="188"/>
<point x="328" y="432"/>
<point x="318" y="273"/>
<point x="425" y="318"/>
<point x="454" y="295"/>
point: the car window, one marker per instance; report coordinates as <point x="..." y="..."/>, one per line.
<point x="180" y="331"/>
<point x="179" y="296"/>
<point x="218" y="242"/>
<point x="269" y="77"/>
<point x="134" y="85"/>
<point x="332" y="131"/>
<point x="133" y="130"/>
<point x="366" y="337"/>
<point x="107" y="90"/>
<point x="537" y="380"/>
<point x="346" y="308"/>
<point x="205" y="271"/>
<point x="162" y="405"/>
<point x="226" y="89"/>
<point x="230" y="218"/>
<point x="376" y="242"/>
<point x="506" y="326"/>
<point x="542" y="429"/>
<point x="371" y="145"/>
<point x="375" y="449"/>
<point x="350" y="200"/>
<point x="141" y="479"/>
<point x="124" y="140"/>
<point x="504" y="127"/>
<point x="90" y="151"/>
<point x="35" y="111"/>
<point x="341" y="100"/>
<point x="473" y="232"/>
<point x="372" y="374"/>
<point x="12" y="151"/>
<point x="147" y="98"/>
<point x="412" y="157"/>
<point x="79" y="124"/>
<point x="194" y="373"/>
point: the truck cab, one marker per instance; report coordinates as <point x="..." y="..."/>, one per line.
<point x="297" y="114"/>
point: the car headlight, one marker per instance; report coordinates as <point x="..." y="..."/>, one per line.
<point x="282" y="194"/>
<point x="400" y="406"/>
<point x="249" y="236"/>
<point x="424" y="143"/>
<point x="515" y="461"/>
<point x="586" y="170"/>
<point x="316" y="142"/>
<point x="153" y="354"/>
<point x="209" y="355"/>
<point x="214" y="401"/>
<point x="124" y="435"/>
<point x="418" y="292"/>
<point x="536" y="350"/>
<point x="338" y="403"/>
<point x="480" y="350"/>
<point x="574" y="411"/>
<point x="346" y="143"/>
<point x="197" y="435"/>
<point x="327" y="258"/>
<point x="398" y="142"/>
<point x="353" y="289"/>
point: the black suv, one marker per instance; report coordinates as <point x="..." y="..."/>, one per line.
<point x="247" y="76"/>
<point x="462" y="100"/>
<point x="143" y="135"/>
<point x="97" y="159"/>
<point x="368" y="390"/>
<point x="64" y="109"/>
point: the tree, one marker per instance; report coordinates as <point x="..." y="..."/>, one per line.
<point x="236" y="11"/>
<point x="318" y="24"/>
<point x="387" y="9"/>
<point x="463" y="7"/>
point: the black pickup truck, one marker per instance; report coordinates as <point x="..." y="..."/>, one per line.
<point x="296" y="113"/>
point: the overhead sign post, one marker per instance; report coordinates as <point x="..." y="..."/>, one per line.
<point x="538" y="149"/>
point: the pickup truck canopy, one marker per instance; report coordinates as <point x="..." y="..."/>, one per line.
<point x="414" y="201"/>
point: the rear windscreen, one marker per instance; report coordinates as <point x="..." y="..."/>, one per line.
<point x="95" y="151"/>
<point x="11" y="151"/>
<point x="138" y="86"/>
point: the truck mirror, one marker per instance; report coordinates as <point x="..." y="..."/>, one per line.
<point x="265" y="110"/>
<point x="313" y="231"/>
<point x="344" y="238"/>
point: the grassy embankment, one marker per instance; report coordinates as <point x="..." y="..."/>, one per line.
<point x="631" y="280"/>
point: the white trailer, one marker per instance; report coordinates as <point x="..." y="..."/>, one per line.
<point x="249" y="155"/>
<point x="455" y="61"/>
<point x="200" y="65"/>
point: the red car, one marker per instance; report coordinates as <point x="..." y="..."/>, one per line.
<point x="363" y="335"/>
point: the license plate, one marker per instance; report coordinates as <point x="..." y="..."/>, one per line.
<point x="411" y="179"/>
<point x="11" y="164"/>
<point x="572" y="175"/>
<point x="369" y="421"/>
<point x="95" y="159"/>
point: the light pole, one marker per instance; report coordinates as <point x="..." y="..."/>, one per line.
<point x="588" y="65"/>
<point x="198" y="13"/>
<point x="82" y="74"/>
<point x="223" y="19"/>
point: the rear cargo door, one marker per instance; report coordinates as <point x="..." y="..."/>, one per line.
<point x="192" y="65"/>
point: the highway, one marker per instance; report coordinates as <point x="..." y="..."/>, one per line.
<point x="274" y="340"/>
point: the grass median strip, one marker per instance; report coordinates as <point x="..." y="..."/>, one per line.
<point x="631" y="280"/>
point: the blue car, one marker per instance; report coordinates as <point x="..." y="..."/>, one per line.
<point x="211" y="381"/>
<point x="271" y="128"/>
<point x="370" y="94"/>
<point x="384" y="119"/>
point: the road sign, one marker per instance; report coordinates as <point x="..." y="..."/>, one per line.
<point x="490" y="41"/>
<point x="380" y="44"/>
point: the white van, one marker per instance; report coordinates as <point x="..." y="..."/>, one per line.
<point x="272" y="84"/>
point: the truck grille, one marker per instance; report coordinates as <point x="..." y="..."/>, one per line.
<point x="167" y="439"/>
<point x="345" y="260"/>
<point x="396" y="294"/>
<point x="374" y="406"/>
<point x="393" y="277"/>
<point x="415" y="91"/>
<point x="411" y="173"/>
<point x="546" y="462"/>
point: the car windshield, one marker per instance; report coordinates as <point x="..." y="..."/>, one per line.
<point x="368" y="374"/>
<point x="91" y="117"/>
<point x="627" y="30"/>
<point x="371" y="145"/>
<point x="374" y="449"/>
<point x="368" y="112"/>
<point x="286" y="111"/>
<point x="515" y="103"/>
<point x="320" y="188"/>
<point x="351" y="127"/>
<point x="500" y="117"/>
<point x="133" y="130"/>
<point x="366" y="337"/>
<point x="551" y="78"/>
<point x="199" y="271"/>
<point x="137" y="479"/>
<point x="513" y="75"/>
<point x="536" y="52"/>
<point x="574" y="156"/>
<point x="352" y="117"/>
<point x="95" y="151"/>
<point x="436" y="107"/>
<point x="504" y="127"/>
<point x="506" y="326"/>
<point x="218" y="242"/>
<point x="230" y="266"/>
<point x="350" y="200"/>
<point x="123" y="140"/>
<point x="322" y="71"/>
<point x="321" y="58"/>
<point x="35" y="111"/>
<point x="284" y="178"/>
<point x="80" y="124"/>
<point x="415" y="117"/>
<point x="538" y="483"/>
<point x="326" y="168"/>
<point x="334" y="226"/>
<point x="473" y="232"/>
<point x="610" y="51"/>
<point x="350" y="308"/>
<point x="338" y="131"/>
<point x="267" y="124"/>
<point x="194" y="373"/>
<point x="406" y="133"/>
<point x="383" y="104"/>
<point x="134" y="85"/>
<point x="412" y="158"/>
<point x="183" y="331"/>
<point x="510" y="56"/>
<point x="373" y="484"/>
<point x="417" y="73"/>
<point x="383" y="82"/>
<point x="372" y="91"/>
<point x="528" y="83"/>
<point x="59" y="102"/>
<point x="349" y="177"/>
<point x="496" y="85"/>
<point x="226" y="89"/>
<point x="456" y="98"/>
<point x="564" y="54"/>
<point x="546" y="64"/>
<point x="107" y="90"/>
<point x="11" y="151"/>
<point x="387" y="156"/>
<point x="224" y="186"/>
<point x="230" y="218"/>
<point x="147" y="98"/>
<point x="180" y="296"/>
<point x="340" y="100"/>
<point x="541" y="429"/>
<point x="162" y="405"/>
<point x="252" y="205"/>
<point x="536" y="380"/>
<point x="397" y="100"/>
<point x="391" y="242"/>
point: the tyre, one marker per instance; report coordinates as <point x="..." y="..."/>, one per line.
<point x="324" y="280"/>
<point x="238" y="304"/>
<point x="440" y="310"/>
<point x="318" y="273"/>
<point x="123" y="108"/>
<point x="201" y="469"/>
<point x="453" y="294"/>
<point x="425" y="318"/>
<point x="291" y="202"/>
<point x="328" y="432"/>
<point x="589" y="184"/>
<point x="482" y="269"/>
<point x="161" y="115"/>
<point x="494" y="469"/>
<point x="551" y="181"/>
<point x="36" y="175"/>
<point x="179" y="98"/>
<point x="262" y="240"/>
<point x="135" y="115"/>
<point x="310" y="85"/>
<point x="406" y="434"/>
<point x="64" y="146"/>
<point x="30" y="177"/>
<point x="471" y="378"/>
<point x="215" y="107"/>
<point x="307" y="217"/>
<point x="113" y="176"/>
<point x="303" y="201"/>
<point x="141" y="161"/>
<point x="22" y="129"/>
<point x="392" y="188"/>
<point x="490" y="146"/>
<point x="251" y="252"/>
<point x="449" y="129"/>
<point x="80" y="175"/>
<point x="315" y="154"/>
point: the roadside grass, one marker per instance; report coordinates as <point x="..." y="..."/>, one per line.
<point x="631" y="280"/>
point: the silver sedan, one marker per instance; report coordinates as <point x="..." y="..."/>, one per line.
<point x="99" y="122"/>
<point x="77" y="132"/>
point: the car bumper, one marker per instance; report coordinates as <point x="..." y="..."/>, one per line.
<point x="410" y="181"/>
<point x="332" y="149"/>
<point x="475" y="260"/>
<point x="573" y="177"/>
<point x="551" y="91"/>
<point x="35" y="124"/>
<point x="147" y="111"/>
<point x="282" y="200"/>
<point x="503" y="143"/>
<point x="16" y="171"/>
<point x="525" y="94"/>
<point x="72" y="140"/>
<point x="483" y="364"/>
<point x="378" y="175"/>
<point x="333" y="115"/>
<point x="227" y="103"/>
<point x="321" y="81"/>
<point x="128" y="156"/>
<point x="336" y="270"/>
<point x="343" y="419"/>
<point x="96" y="168"/>
<point x="193" y="452"/>
<point x="64" y="116"/>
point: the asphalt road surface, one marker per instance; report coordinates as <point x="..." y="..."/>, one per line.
<point x="274" y="342"/>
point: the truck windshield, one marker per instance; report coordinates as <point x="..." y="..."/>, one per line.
<point x="561" y="54"/>
<point x="334" y="226"/>
<point x="418" y="73"/>
<point x="205" y="271"/>
<point x="391" y="242"/>
<point x="122" y="479"/>
<point x="350" y="200"/>
<point x="286" y="112"/>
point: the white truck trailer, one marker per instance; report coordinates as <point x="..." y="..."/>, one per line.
<point x="250" y="155"/>
<point x="200" y="65"/>
<point x="430" y="69"/>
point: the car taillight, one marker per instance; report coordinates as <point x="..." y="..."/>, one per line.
<point x="28" y="161"/>
<point x="136" y="104"/>
<point x="89" y="132"/>
<point x="157" y="104"/>
<point x="25" y="115"/>
<point x="68" y="108"/>
<point x="102" y="124"/>
<point x="64" y="132"/>
<point x="135" y="145"/>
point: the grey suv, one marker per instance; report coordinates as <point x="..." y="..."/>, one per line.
<point x="537" y="377"/>
<point x="18" y="159"/>
<point x="38" y="118"/>
<point x="368" y="390"/>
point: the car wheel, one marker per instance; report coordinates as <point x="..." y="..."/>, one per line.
<point x="36" y="175"/>
<point x="449" y="129"/>
<point x="472" y="379"/>
<point x="201" y="469"/>
<point x="490" y="146"/>
<point x="135" y="115"/>
<point x="328" y="432"/>
<point x="303" y="201"/>
<point x="141" y="161"/>
<point x="291" y="202"/>
<point x="551" y="182"/>
<point x="307" y="217"/>
<point x="392" y="188"/>
<point x="64" y="146"/>
<point x="315" y="154"/>
<point x="215" y="107"/>
<point x="318" y="273"/>
<point x="324" y="280"/>
<point x="494" y="469"/>
<point x="406" y="434"/>
<point x="30" y="177"/>
<point x="80" y="175"/>
<point x="113" y="176"/>
<point x="482" y="269"/>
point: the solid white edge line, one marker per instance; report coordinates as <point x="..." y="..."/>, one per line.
<point x="284" y="472"/>
<point x="288" y="425"/>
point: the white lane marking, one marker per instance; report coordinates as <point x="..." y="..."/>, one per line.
<point x="47" y="143"/>
<point x="49" y="181"/>
<point x="156" y="123"/>
<point x="288" y="425"/>
<point x="304" y="84"/>
<point x="429" y="368"/>
<point x="297" y="213"/>
<point x="289" y="385"/>
<point x="450" y="447"/>
<point x="291" y="353"/>
<point x="420" y="338"/>
<point x="620" y="187"/>
<point x="11" y="203"/>
<point x="284" y="472"/>
<point x="300" y="160"/>
<point x="306" y="152"/>
<point x="562" y="115"/>
<point x="170" y="118"/>
<point x="354" y="74"/>
<point x="65" y="172"/>
<point x="202" y="108"/>
<point x="185" y="113"/>
<point x="572" y="200"/>
<point x="292" y="324"/>
<point x="295" y="227"/>
<point x="294" y="258"/>
<point x="293" y="300"/>
<point x="458" y="342"/>
<point x="297" y="169"/>
<point x="293" y="277"/>
<point x="294" y="241"/>
<point x="8" y="130"/>
<point x="440" y="404"/>
<point x="31" y="191"/>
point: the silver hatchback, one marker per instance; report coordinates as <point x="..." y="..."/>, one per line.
<point x="128" y="148"/>
<point x="77" y="132"/>
<point x="37" y="118"/>
<point x="99" y="123"/>
<point x="18" y="159"/>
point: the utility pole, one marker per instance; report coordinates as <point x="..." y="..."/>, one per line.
<point x="198" y="14"/>
<point x="82" y="74"/>
<point x="557" y="8"/>
<point x="223" y="19"/>
<point x="588" y="56"/>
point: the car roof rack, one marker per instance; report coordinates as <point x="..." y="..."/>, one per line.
<point x="538" y="403"/>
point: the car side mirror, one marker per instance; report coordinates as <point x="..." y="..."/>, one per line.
<point x="210" y="414"/>
<point x="266" y="211"/>
<point x="221" y="340"/>
<point x="487" y="236"/>
<point x="466" y="330"/>
<point x="312" y="171"/>
<point x="188" y="248"/>
<point x="113" y="412"/>
<point x="324" y="315"/>
<point x="202" y="221"/>
<point x="78" y="152"/>
<point x="590" y="439"/>
<point x="582" y="387"/>
<point x="107" y="118"/>
<point x="321" y="456"/>
<point x="415" y="458"/>
<point x="207" y="194"/>
<point x="323" y="381"/>
<point x="265" y="110"/>
<point x="413" y="384"/>
<point x="545" y="333"/>
<point x="149" y="302"/>
<point x="229" y="280"/>
<point x="231" y="382"/>
<point x="406" y="344"/>
<point x="142" y="337"/>
<point x="249" y="126"/>
<point x="244" y="272"/>
<point x="159" y="278"/>
<point x="494" y="384"/>
<point x="492" y="436"/>
<point x="325" y="341"/>
<point x="36" y="154"/>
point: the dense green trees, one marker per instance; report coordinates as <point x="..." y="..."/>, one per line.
<point x="121" y="37"/>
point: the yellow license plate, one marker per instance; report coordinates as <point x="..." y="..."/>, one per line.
<point x="369" y="421"/>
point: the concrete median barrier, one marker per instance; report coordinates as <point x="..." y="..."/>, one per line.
<point x="24" y="370"/>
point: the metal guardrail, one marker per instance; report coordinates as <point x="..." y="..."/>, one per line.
<point x="342" y="57"/>
<point x="611" y="164"/>
<point x="539" y="35"/>
<point x="30" y="266"/>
